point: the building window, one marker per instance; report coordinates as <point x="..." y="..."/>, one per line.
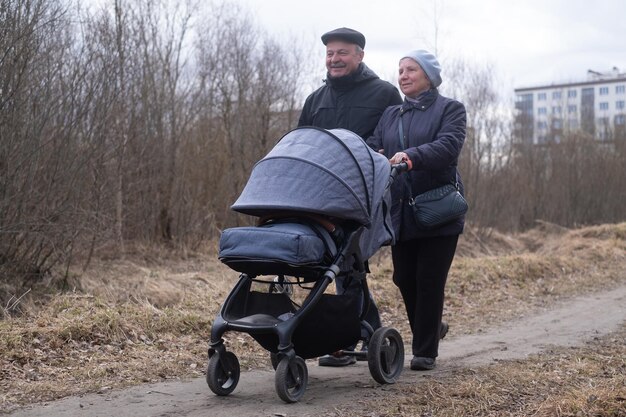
<point x="619" y="105"/>
<point x="556" y="95"/>
<point x="524" y="103"/>
<point x="541" y="96"/>
<point x="571" y="93"/>
<point x="542" y="125"/>
<point x="556" y="124"/>
<point x="572" y="124"/>
<point x="604" y="106"/>
<point x="542" y="110"/>
<point x="620" y="89"/>
<point x="556" y="110"/>
<point x="524" y="100"/>
<point x="604" y="91"/>
<point x="620" y="120"/>
<point x="572" y="108"/>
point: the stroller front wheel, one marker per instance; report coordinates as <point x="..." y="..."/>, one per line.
<point x="223" y="373"/>
<point x="291" y="379"/>
<point x="385" y="355"/>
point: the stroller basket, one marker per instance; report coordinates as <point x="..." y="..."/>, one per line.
<point x="336" y="317"/>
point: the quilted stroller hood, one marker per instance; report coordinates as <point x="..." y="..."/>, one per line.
<point x="329" y="172"/>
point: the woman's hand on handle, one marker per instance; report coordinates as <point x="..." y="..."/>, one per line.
<point x="396" y="169"/>
<point x="400" y="157"/>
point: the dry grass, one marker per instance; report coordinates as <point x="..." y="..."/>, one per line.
<point x="564" y="382"/>
<point x="147" y="317"/>
<point x="132" y="322"/>
<point x="488" y="290"/>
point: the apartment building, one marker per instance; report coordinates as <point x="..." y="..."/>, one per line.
<point x="595" y="106"/>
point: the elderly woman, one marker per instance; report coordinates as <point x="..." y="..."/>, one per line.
<point x="427" y="132"/>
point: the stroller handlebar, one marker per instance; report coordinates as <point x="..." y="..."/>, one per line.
<point x="397" y="169"/>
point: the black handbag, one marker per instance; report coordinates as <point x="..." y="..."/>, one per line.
<point x="435" y="207"/>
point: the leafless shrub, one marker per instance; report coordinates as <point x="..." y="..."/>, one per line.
<point x="511" y="184"/>
<point x="41" y="163"/>
<point x="141" y="121"/>
<point x="134" y="121"/>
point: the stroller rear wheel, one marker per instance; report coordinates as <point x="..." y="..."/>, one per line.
<point x="223" y="373"/>
<point x="291" y="379"/>
<point x="385" y="355"/>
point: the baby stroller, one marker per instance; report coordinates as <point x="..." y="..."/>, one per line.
<point x="322" y="202"/>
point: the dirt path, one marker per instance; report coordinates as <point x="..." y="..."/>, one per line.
<point x="567" y="324"/>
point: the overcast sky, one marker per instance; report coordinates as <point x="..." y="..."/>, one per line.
<point x="528" y="42"/>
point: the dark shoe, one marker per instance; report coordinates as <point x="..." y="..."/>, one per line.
<point x="419" y="363"/>
<point x="443" y="330"/>
<point x="331" y="360"/>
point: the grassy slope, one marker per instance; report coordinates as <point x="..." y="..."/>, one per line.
<point x="148" y="317"/>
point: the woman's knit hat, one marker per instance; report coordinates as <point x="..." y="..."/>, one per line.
<point x="429" y="64"/>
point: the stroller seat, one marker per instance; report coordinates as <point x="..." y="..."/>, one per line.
<point x="295" y="246"/>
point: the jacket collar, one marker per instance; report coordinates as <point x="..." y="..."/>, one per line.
<point x="421" y="102"/>
<point x="362" y="73"/>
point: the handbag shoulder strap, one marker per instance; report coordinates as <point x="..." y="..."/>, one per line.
<point x="402" y="147"/>
<point x="401" y="132"/>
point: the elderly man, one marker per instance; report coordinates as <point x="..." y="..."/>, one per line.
<point x="353" y="98"/>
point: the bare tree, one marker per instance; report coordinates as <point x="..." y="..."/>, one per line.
<point x="141" y="121"/>
<point x="39" y="167"/>
<point x="250" y="83"/>
<point x="484" y="151"/>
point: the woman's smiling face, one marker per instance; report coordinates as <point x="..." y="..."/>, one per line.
<point x="412" y="78"/>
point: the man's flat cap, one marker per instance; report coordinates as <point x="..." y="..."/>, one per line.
<point x="346" y="35"/>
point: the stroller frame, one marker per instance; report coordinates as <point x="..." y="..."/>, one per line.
<point x="385" y="349"/>
<point x="385" y="360"/>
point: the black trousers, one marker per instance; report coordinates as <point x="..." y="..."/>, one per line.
<point x="420" y="272"/>
<point x="352" y="286"/>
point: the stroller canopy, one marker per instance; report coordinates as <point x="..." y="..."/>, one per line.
<point x="328" y="172"/>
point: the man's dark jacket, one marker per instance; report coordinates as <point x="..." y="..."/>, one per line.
<point x="434" y="129"/>
<point x="354" y="102"/>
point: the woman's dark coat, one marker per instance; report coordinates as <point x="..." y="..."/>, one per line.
<point x="434" y="131"/>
